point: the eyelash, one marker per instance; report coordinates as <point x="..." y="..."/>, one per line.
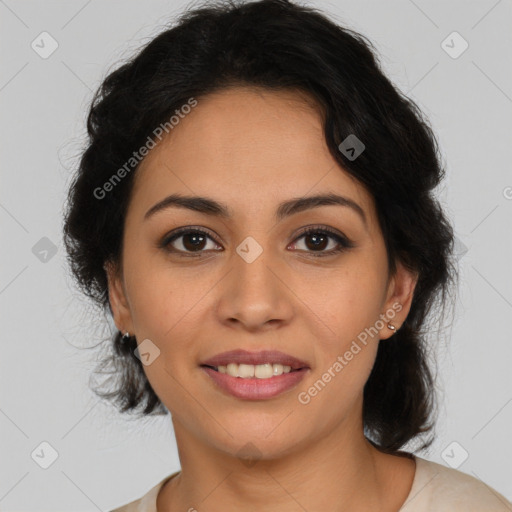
<point x="343" y="242"/>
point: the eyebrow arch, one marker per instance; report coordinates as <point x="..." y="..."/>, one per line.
<point x="285" y="209"/>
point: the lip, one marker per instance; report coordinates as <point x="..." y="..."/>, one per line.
<point x="260" y="357"/>
<point x="254" y="388"/>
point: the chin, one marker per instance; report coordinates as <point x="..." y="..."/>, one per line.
<point x="258" y="443"/>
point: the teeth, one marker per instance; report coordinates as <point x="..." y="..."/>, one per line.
<point x="260" y="371"/>
<point x="246" y="371"/>
<point x="277" y="369"/>
<point x="263" y="371"/>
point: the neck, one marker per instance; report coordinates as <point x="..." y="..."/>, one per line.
<point x="341" y="471"/>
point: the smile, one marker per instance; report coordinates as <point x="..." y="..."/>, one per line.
<point x="249" y="386"/>
<point x="259" y="371"/>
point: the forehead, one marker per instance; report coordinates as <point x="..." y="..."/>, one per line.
<point x="248" y="147"/>
<point x="249" y="125"/>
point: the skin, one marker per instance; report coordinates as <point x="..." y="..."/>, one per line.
<point x="251" y="149"/>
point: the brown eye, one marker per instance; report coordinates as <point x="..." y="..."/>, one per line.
<point x="194" y="241"/>
<point x="318" y="240"/>
<point x="187" y="241"/>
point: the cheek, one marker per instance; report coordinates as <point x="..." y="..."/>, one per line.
<point x="169" y="307"/>
<point x="345" y="300"/>
<point x="160" y="296"/>
<point x="346" y="348"/>
<point x="346" y="307"/>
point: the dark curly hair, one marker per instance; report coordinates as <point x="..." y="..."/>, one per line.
<point x="276" y="44"/>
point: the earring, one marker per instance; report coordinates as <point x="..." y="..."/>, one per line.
<point x="392" y="327"/>
<point x="126" y="337"/>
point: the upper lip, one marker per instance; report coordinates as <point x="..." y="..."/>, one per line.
<point x="261" y="357"/>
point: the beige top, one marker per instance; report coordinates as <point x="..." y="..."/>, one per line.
<point x="435" y="488"/>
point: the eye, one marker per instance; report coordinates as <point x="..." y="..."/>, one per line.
<point x="192" y="241"/>
<point x="187" y="240"/>
<point x="317" y="239"/>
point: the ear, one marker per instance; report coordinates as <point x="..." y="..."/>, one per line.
<point x="117" y="297"/>
<point x="399" y="298"/>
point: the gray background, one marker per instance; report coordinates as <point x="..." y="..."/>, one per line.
<point x="104" y="459"/>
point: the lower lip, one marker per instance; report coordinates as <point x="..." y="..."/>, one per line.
<point x="253" y="388"/>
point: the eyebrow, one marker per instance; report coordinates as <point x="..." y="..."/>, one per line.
<point x="285" y="209"/>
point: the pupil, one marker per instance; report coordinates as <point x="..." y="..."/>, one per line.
<point x="196" y="244"/>
<point x="316" y="238"/>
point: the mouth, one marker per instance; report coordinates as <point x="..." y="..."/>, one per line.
<point x="254" y="375"/>
<point x="249" y="371"/>
<point x="255" y="358"/>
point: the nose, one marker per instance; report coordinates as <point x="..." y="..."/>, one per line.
<point x="254" y="295"/>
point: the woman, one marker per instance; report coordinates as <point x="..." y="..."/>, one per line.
<point x="260" y="222"/>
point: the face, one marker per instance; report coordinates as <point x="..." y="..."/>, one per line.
<point x="251" y="279"/>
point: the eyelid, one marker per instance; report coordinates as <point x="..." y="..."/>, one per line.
<point x="344" y="243"/>
<point x="173" y="235"/>
<point x="320" y="228"/>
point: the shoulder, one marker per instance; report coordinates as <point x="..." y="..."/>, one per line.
<point x="442" y="489"/>
<point x="146" y="503"/>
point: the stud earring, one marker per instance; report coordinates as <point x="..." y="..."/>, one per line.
<point x="392" y="327"/>
<point x="126" y="337"/>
